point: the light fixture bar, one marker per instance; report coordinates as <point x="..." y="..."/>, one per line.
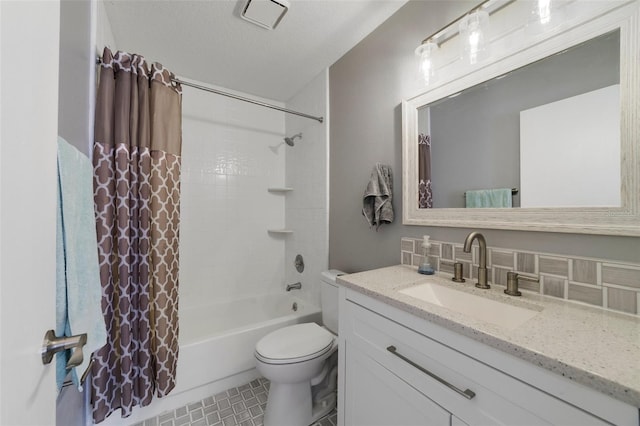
<point x="451" y="29"/>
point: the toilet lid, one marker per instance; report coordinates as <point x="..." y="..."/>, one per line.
<point x="295" y="341"/>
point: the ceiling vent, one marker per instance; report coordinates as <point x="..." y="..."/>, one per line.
<point x="265" y="13"/>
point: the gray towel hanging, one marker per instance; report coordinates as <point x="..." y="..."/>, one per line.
<point x="376" y="204"/>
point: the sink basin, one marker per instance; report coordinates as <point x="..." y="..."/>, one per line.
<point x="492" y="311"/>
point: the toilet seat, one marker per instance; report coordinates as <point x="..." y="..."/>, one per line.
<point x="295" y="343"/>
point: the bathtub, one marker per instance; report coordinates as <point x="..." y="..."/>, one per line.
<point x="217" y="342"/>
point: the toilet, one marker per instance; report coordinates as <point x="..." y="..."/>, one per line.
<point x="301" y="362"/>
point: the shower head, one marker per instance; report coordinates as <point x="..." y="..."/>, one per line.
<point x="290" y="140"/>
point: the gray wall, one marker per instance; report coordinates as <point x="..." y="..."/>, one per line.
<point x="77" y="74"/>
<point x="367" y="86"/>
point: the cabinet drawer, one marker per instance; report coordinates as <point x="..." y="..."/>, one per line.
<point x="377" y="397"/>
<point x="494" y="397"/>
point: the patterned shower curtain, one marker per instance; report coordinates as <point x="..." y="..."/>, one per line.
<point x="136" y="158"/>
<point x="425" y="194"/>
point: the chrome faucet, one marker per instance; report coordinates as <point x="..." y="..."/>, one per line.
<point x="482" y="263"/>
<point x="296" y="286"/>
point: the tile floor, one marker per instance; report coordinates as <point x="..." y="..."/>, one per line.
<point x="241" y="406"/>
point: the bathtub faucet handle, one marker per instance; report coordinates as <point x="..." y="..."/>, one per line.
<point x="296" y="286"/>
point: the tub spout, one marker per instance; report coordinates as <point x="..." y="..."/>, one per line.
<point x="296" y="286"/>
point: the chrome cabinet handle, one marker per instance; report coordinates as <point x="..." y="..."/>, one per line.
<point x="467" y="393"/>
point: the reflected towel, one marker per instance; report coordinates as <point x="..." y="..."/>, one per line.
<point x="492" y="198"/>
<point x="376" y="204"/>
<point x="78" y="288"/>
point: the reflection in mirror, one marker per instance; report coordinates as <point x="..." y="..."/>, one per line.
<point x="549" y="131"/>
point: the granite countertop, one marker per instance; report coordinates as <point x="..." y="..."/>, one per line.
<point x="592" y="346"/>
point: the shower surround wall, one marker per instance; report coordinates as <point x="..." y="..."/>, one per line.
<point x="306" y="211"/>
<point x="232" y="152"/>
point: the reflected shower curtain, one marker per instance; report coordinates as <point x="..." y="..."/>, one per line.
<point x="136" y="158"/>
<point x="425" y="195"/>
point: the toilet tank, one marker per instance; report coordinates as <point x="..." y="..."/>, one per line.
<point x="329" y="299"/>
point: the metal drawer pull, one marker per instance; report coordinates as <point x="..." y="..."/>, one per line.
<point x="467" y="393"/>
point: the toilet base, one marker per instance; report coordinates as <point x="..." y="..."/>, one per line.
<point x="299" y="409"/>
<point x="288" y="405"/>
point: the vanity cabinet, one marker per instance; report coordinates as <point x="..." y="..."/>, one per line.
<point x="397" y="369"/>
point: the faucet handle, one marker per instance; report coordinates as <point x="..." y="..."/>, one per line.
<point x="512" y="282"/>
<point x="457" y="270"/>
<point x="457" y="273"/>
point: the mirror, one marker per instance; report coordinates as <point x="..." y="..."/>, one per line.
<point x="551" y="125"/>
<point x="561" y="114"/>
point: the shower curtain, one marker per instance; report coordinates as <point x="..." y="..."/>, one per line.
<point x="425" y="194"/>
<point x="136" y="158"/>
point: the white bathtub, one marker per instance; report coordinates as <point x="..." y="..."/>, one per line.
<point x="202" y="323"/>
<point x="218" y="341"/>
<point x="216" y="347"/>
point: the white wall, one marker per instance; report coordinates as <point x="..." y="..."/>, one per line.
<point x="104" y="34"/>
<point x="307" y="173"/>
<point x="232" y="152"/>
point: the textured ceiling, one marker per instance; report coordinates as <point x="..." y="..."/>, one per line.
<point x="207" y="41"/>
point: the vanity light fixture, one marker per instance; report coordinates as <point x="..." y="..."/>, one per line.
<point x="473" y="26"/>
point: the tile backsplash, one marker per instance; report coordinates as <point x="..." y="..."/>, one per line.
<point x="597" y="282"/>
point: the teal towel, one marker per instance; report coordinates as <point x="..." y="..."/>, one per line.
<point x="78" y="289"/>
<point x="492" y="198"/>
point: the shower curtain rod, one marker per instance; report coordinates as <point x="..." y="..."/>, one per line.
<point x="240" y="98"/>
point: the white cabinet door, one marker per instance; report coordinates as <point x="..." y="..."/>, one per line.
<point x="377" y="397"/>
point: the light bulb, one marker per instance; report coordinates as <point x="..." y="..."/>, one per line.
<point x="474" y="42"/>
<point x="427" y="52"/>
<point x="474" y="36"/>
<point x="544" y="11"/>
<point x="545" y="15"/>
